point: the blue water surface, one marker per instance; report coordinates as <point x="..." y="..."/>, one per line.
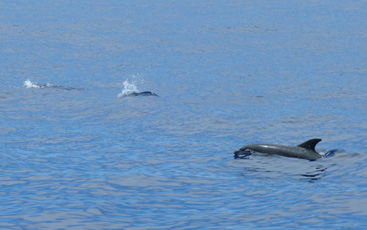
<point x="228" y="73"/>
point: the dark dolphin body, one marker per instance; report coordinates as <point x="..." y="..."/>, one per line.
<point x="136" y="94"/>
<point x="305" y="150"/>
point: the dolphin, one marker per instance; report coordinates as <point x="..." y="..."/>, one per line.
<point x="305" y="150"/>
<point x="59" y="87"/>
<point x="135" y="94"/>
<point x="28" y="84"/>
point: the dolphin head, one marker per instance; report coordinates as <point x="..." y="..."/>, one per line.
<point x="242" y="153"/>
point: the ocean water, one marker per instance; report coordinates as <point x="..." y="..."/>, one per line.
<point x="76" y="154"/>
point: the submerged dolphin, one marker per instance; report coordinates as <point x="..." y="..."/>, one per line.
<point x="305" y="150"/>
<point x="59" y="87"/>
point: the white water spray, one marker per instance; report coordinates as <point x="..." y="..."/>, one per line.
<point x="129" y="88"/>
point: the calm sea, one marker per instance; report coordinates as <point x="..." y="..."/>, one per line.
<point x="76" y="154"/>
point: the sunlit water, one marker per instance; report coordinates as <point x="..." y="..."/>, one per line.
<point x="76" y="154"/>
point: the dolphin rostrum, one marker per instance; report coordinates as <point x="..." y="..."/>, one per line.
<point x="305" y="150"/>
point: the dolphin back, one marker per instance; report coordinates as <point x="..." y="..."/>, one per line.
<point x="137" y="94"/>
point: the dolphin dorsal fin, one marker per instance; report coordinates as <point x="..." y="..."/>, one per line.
<point x="310" y="144"/>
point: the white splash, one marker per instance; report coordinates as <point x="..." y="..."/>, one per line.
<point x="129" y="88"/>
<point x="28" y="84"/>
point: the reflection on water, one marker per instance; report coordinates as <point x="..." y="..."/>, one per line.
<point x="272" y="166"/>
<point x="316" y="174"/>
